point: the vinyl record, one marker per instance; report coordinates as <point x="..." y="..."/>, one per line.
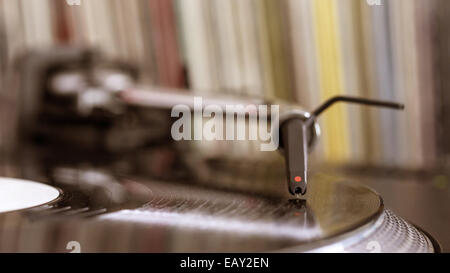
<point x="177" y="218"/>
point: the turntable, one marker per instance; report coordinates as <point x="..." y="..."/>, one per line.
<point x="107" y="185"/>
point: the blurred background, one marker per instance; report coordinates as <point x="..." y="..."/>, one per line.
<point x="298" y="51"/>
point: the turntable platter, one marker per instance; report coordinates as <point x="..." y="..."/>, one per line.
<point x="338" y="216"/>
<point x="18" y="194"/>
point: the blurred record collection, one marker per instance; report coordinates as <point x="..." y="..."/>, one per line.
<point x="295" y="50"/>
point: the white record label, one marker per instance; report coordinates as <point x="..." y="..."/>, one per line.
<point x="16" y="194"/>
